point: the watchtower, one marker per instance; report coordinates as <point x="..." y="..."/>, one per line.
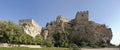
<point x="81" y="16"/>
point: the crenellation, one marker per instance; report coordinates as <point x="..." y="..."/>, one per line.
<point x="81" y="17"/>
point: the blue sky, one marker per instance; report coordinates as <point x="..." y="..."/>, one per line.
<point x="43" y="11"/>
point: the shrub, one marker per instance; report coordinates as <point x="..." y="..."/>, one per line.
<point x="38" y="39"/>
<point x="72" y="45"/>
<point x="84" y="44"/>
<point x="48" y="43"/>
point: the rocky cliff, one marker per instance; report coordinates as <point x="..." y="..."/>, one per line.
<point x="30" y="27"/>
<point x="80" y="28"/>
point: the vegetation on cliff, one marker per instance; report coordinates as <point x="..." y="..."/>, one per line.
<point x="62" y="39"/>
<point x="79" y="31"/>
<point x="13" y="33"/>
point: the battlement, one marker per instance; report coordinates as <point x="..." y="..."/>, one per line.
<point x="82" y="16"/>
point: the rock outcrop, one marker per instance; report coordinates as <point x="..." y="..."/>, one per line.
<point x="44" y="34"/>
<point x="80" y="28"/>
<point x="30" y="27"/>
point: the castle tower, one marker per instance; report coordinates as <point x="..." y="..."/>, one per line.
<point x="81" y="17"/>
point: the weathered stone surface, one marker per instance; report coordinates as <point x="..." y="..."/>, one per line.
<point x="44" y="33"/>
<point x="81" y="28"/>
<point x="57" y="25"/>
<point x="30" y="27"/>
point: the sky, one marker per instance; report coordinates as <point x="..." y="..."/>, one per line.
<point x="43" y="11"/>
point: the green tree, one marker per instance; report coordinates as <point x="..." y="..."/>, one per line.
<point x="61" y="39"/>
<point x="38" y="39"/>
<point x="48" y="43"/>
<point x="84" y="43"/>
<point x="26" y="39"/>
<point x="10" y="32"/>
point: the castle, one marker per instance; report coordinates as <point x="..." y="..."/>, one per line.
<point x="79" y="28"/>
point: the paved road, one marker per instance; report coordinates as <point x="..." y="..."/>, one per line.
<point x="100" y="49"/>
